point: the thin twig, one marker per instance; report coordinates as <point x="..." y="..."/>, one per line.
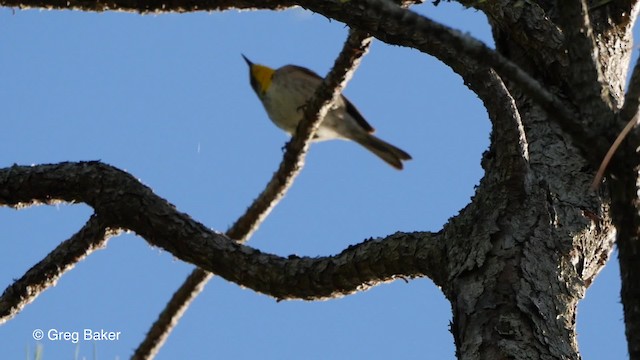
<point x="612" y="150"/>
<point x="629" y="116"/>
<point x="293" y="160"/>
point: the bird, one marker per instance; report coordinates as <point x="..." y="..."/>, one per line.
<point x="284" y="93"/>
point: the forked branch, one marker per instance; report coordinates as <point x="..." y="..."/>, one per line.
<point x="131" y="205"/>
<point x="92" y="236"/>
<point x="354" y="48"/>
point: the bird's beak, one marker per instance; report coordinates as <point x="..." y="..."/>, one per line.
<point x="247" y="60"/>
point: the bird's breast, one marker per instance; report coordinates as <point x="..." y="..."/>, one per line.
<point x="285" y="104"/>
<point x="285" y="101"/>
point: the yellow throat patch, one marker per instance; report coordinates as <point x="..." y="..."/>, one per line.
<point x="262" y="76"/>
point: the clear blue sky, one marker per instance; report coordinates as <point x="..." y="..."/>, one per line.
<point x="167" y="98"/>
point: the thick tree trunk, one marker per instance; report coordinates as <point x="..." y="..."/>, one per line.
<point x="533" y="244"/>
<point x="521" y="255"/>
<point x="535" y="236"/>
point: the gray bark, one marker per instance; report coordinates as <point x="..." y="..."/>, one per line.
<point x="516" y="261"/>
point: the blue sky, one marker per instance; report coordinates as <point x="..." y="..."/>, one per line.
<point x="167" y="98"/>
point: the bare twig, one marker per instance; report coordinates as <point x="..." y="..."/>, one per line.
<point x="93" y="236"/>
<point x="346" y="63"/>
<point x="626" y="211"/>
<point x="628" y="115"/>
<point x="171" y="314"/>
<point x="354" y="48"/>
<point x="612" y="150"/>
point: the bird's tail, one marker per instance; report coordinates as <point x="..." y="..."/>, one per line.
<point x="385" y="151"/>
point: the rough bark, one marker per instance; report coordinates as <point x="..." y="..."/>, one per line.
<point x="122" y="202"/>
<point x="515" y="262"/>
<point x="354" y="48"/>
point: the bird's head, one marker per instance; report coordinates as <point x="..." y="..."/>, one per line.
<point x="260" y="77"/>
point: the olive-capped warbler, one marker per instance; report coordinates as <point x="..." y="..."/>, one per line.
<point x="284" y="93"/>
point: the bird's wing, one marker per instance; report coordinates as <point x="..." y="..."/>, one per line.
<point x="294" y="68"/>
<point x="351" y="109"/>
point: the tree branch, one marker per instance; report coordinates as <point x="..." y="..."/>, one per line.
<point x="531" y="26"/>
<point x="124" y="203"/>
<point x="354" y="48"/>
<point x="626" y="216"/>
<point x="383" y="19"/>
<point x="632" y="96"/>
<point x="171" y="314"/>
<point x="508" y="129"/>
<point x="93" y="236"/>
<point x="627" y="118"/>
<point x="587" y="83"/>
<point x="404" y="27"/>
<point x="626" y="210"/>
<point x="148" y="6"/>
<point x="503" y="113"/>
<point x="315" y="110"/>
